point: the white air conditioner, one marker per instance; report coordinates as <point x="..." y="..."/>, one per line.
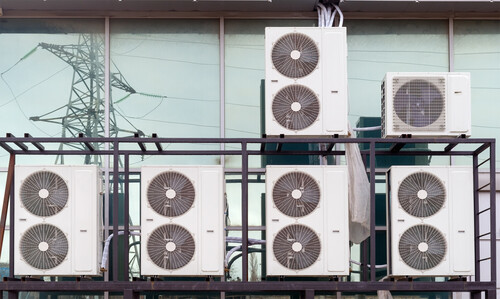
<point x="307" y="228"/>
<point x="426" y="104"/>
<point x="58" y="220"/>
<point x="306" y="81"/>
<point x="182" y="212"/>
<point x="430" y="221"/>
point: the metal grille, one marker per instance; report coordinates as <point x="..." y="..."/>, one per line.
<point x="171" y="194"/>
<point x="43" y="246"/>
<point x="422" y="247"/>
<point x="421" y="194"/>
<point x="295" y="107"/>
<point x="296" y="247"/>
<point x="296" y="194"/>
<point x="295" y="55"/>
<point x="419" y="104"/>
<point x="170" y="246"/>
<point x="44" y="193"/>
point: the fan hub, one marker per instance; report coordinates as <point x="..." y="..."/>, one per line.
<point x="295" y="54"/>
<point x="170" y="193"/>
<point x="296" y="194"/>
<point x="170" y="246"/>
<point x="422" y="194"/>
<point x="423" y="247"/>
<point x="43" y="246"/>
<point x="43" y="193"/>
<point x="297" y="247"/>
<point x="296" y="106"/>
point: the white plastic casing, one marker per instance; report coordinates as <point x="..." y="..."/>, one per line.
<point x="328" y="81"/>
<point x="455" y="220"/>
<point x="204" y="220"/>
<point x="80" y="220"/>
<point x="329" y="220"/>
<point x="455" y="88"/>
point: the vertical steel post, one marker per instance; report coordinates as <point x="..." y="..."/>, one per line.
<point x="126" y="218"/>
<point x="309" y="294"/>
<point x="477" y="264"/>
<point x="12" y="228"/>
<point x="244" y="211"/>
<point x="372" y="211"/>
<point x="116" y="202"/>
<point x="493" y="239"/>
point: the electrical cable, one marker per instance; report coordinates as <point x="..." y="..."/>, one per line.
<point x="105" y="252"/>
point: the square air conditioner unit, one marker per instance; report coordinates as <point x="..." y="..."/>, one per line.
<point x="58" y="220"/>
<point x="307" y="228"/>
<point x="426" y="104"/>
<point x="182" y="212"/>
<point x="430" y="221"/>
<point x="306" y="81"/>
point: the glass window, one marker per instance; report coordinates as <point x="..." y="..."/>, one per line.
<point x="52" y="79"/>
<point x="477" y="50"/>
<point x="166" y="76"/>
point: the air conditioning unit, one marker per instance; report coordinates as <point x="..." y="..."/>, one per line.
<point x="182" y="214"/>
<point x="307" y="228"/>
<point x="430" y="221"/>
<point x="306" y="81"/>
<point x="58" y="220"/>
<point x="426" y="104"/>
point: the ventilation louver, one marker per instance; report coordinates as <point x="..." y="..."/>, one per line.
<point x="43" y="246"/>
<point x="295" y="55"/>
<point x="170" y="246"/>
<point x="295" y="107"/>
<point x="171" y="194"/>
<point x="296" y="194"/>
<point x="44" y="193"/>
<point x="420" y="103"/>
<point x="296" y="247"/>
<point x="421" y="194"/>
<point x="422" y="247"/>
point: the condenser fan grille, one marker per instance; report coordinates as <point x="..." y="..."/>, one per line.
<point x="43" y="246"/>
<point x="296" y="194"/>
<point x="295" y="55"/>
<point x="44" y="193"/>
<point x="170" y="246"/>
<point x="419" y="104"/>
<point x="422" y="247"/>
<point x="295" y="107"/>
<point x="421" y="194"/>
<point x="296" y="247"/>
<point x="171" y="194"/>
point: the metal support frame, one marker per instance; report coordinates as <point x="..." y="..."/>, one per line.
<point x="132" y="289"/>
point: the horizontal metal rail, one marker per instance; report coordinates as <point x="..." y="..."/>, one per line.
<point x="263" y="286"/>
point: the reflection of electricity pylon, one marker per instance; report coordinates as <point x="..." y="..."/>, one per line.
<point x="86" y="106"/>
<point x="85" y="111"/>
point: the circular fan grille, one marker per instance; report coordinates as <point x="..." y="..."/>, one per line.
<point x="295" y="107"/>
<point x="418" y="103"/>
<point x="44" y="193"/>
<point x="295" y="55"/>
<point x="43" y="246"/>
<point x="296" y="247"/>
<point x="421" y="194"/>
<point x="170" y="246"/>
<point x="422" y="247"/>
<point x="171" y="194"/>
<point x="296" y="194"/>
